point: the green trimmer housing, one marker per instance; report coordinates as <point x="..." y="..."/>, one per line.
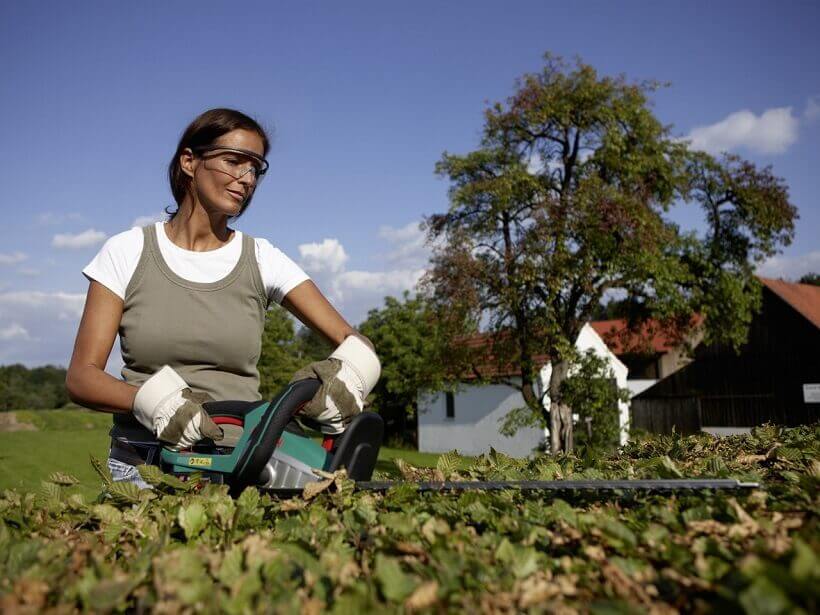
<point x="274" y="452"/>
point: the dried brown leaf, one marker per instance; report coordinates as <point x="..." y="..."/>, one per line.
<point x="311" y="490"/>
<point x="685" y="580"/>
<point x="623" y="585"/>
<point x="744" y="459"/>
<point x="423" y="597"/>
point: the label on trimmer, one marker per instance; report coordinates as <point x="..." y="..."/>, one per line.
<point x="199" y="462"/>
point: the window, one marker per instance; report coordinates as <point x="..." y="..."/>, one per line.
<point x="451" y="406"/>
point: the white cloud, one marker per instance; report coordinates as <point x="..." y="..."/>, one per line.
<point x="12" y="259"/>
<point x="38" y="328"/>
<point x="535" y="164"/>
<point x="812" y="110"/>
<point x="409" y="250"/>
<point x="85" y="239"/>
<point x="71" y="303"/>
<point x="380" y="283"/>
<point x="328" y="256"/>
<point x="50" y="217"/>
<point x="791" y="267"/>
<point x="14" y="330"/>
<point x="772" y="132"/>
<point x="146" y="220"/>
<point x="357" y="291"/>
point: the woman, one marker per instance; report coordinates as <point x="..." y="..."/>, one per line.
<point x="188" y="298"/>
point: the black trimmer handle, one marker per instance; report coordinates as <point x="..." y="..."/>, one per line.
<point x="267" y="432"/>
<point x="358" y="448"/>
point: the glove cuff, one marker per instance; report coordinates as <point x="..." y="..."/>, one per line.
<point x="361" y="359"/>
<point x="154" y="391"/>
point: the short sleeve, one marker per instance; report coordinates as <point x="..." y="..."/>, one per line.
<point x="279" y="273"/>
<point x="116" y="261"/>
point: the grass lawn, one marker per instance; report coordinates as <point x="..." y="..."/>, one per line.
<point x="64" y="439"/>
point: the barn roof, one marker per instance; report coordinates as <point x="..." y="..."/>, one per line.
<point x="804" y="298"/>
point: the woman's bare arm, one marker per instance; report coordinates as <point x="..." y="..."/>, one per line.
<point x="86" y="381"/>
<point x="309" y="305"/>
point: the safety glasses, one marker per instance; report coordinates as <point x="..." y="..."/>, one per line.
<point x="233" y="161"/>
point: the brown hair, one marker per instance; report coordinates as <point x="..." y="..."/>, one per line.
<point x="205" y="130"/>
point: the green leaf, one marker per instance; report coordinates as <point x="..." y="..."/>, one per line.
<point x="248" y="499"/>
<point x="448" y="464"/>
<point x="102" y="471"/>
<point x="764" y="598"/>
<point x="151" y="474"/>
<point x="619" y="536"/>
<point x="192" y="519"/>
<point x="805" y="565"/>
<point x="124" y="493"/>
<point x="394" y="583"/>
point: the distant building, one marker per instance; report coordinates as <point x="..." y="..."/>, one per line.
<point x="649" y="353"/>
<point x="469" y="421"/>
<point x="775" y="376"/>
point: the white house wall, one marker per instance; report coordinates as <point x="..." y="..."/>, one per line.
<point x="588" y="339"/>
<point x="475" y="426"/>
<point x="479" y="410"/>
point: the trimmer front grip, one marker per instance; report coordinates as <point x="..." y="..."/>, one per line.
<point x="263" y="425"/>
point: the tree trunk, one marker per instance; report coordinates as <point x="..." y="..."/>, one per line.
<point x="560" y="413"/>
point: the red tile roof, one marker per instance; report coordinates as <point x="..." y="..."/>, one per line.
<point x="488" y="367"/>
<point x="650" y="337"/>
<point x="804" y="298"/>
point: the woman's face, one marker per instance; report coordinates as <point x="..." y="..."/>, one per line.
<point x="217" y="191"/>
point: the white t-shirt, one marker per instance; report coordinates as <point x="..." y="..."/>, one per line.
<point x="117" y="260"/>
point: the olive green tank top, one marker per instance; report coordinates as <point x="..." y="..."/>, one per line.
<point x="210" y="333"/>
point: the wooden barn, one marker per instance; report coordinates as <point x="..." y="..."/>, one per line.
<point x="775" y="377"/>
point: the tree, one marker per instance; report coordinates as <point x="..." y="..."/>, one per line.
<point x="36" y="388"/>
<point x="409" y="344"/>
<point x="280" y="356"/>
<point x="810" y="278"/>
<point x="310" y="346"/>
<point x="566" y="200"/>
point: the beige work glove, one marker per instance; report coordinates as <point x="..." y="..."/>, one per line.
<point x="166" y="406"/>
<point x="347" y="376"/>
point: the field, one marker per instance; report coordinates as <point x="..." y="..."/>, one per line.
<point x="62" y="440"/>
<point x="174" y="549"/>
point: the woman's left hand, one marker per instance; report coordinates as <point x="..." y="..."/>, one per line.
<point x="347" y="378"/>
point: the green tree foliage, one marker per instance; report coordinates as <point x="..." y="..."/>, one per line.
<point x="310" y="346"/>
<point x="285" y="350"/>
<point x="568" y="199"/>
<point x="36" y="388"/>
<point x="811" y="278"/>
<point x="405" y="334"/>
<point x="592" y="392"/>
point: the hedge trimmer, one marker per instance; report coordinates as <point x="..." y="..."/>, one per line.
<point x="277" y="456"/>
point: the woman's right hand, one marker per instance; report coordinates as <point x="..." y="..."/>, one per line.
<point x="166" y="406"/>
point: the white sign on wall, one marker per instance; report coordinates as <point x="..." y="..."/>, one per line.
<point x="811" y="393"/>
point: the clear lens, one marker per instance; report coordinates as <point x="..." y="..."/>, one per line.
<point x="235" y="165"/>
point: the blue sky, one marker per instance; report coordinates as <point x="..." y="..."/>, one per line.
<point x="362" y="99"/>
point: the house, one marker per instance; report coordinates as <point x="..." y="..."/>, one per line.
<point x="649" y="352"/>
<point x="774" y="377"/>
<point x="469" y="420"/>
